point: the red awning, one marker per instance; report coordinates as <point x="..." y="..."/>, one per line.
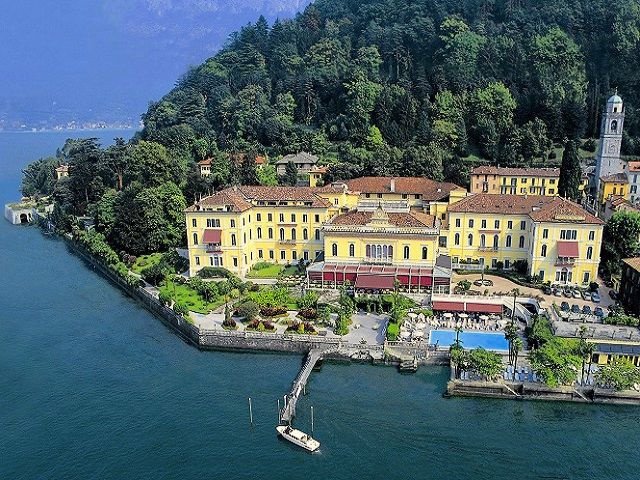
<point x="449" y="306"/>
<point x="212" y="236"/>
<point x="568" y="249"/>
<point x="483" y="308"/>
<point x="376" y="282"/>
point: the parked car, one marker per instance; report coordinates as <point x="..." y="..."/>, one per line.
<point x="567" y="293"/>
<point x="564" y="306"/>
<point x="586" y="309"/>
<point x="598" y="312"/>
<point x="595" y="297"/>
<point x="576" y="293"/>
<point x="586" y="295"/>
<point x="557" y="292"/>
<point x="613" y="294"/>
<point x="575" y="308"/>
<point x="546" y="290"/>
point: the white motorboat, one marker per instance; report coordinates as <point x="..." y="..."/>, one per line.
<point x="297" y="437"/>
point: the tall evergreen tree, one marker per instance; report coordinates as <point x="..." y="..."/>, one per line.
<point x="570" y="172"/>
<point x="290" y="174"/>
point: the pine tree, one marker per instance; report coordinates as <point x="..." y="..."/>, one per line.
<point x="570" y="172"/>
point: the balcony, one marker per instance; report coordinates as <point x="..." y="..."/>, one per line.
<point x="487" y="249"/>
<point x="565" y="262"/>
<point x="213" y="248"/>
<point x="287" y="241"/>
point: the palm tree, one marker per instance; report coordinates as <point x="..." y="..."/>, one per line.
<point x="515" y="292"/>
<point x="458" y="358"/>
<point x="517" y="346"/>
<point x="582" y="348"/>
<point x="510" y="334"/>
<point x="458" y="329"/>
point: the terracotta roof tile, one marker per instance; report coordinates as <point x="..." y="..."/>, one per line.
<point x="633" y="262"/>
<point x="412" y="219"/>
<point x="615" y="178"/>
<point x="516" y="171"/>
<point x="430" y="190"/>
<point x="634" y="166"/>
<point x="538" y="208"/>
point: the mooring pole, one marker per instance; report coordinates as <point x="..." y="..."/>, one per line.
<point x="279" y="412"/>
<point x="250" y="412"/>
<point x="312" y="420"/>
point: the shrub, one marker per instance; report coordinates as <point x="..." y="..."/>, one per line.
<point x="621" y="319"/>
<point x="249" y="310"/>
<point x="229" y="323"/>
<point x="590" y="145"/>
<point x="552" y="155"/>
<point x="214" y="272"/>
<point x="155" y="274"/>
<point x="164" y="297"/>
<point x="309" y="313"/>
<point x="393" y="330"/>
<point x="180" y="309"/>
<point x="272" y="311"/>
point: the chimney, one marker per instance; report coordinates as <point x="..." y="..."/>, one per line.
<point x="393" y="185"/>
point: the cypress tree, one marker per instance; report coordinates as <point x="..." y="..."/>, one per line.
<point x="570" y="172"/>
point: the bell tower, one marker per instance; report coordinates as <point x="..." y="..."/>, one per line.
<point x="608" y="159"/>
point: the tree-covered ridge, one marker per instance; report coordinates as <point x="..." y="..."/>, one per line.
<point x="392" y="86"/>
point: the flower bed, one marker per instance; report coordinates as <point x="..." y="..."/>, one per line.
<point x="256" y="325"/>
<point x="302" y="328"/>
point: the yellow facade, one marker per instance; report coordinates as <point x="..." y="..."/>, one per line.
<point x="515" y="181"/>
<point x="497" y="231"/>
<point x="613" y="187"/>
<point x="288" y="224"/>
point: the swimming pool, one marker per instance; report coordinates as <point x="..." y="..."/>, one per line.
<point x="486" y="340"/>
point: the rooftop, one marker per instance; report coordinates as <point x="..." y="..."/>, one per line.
<point x="301" y="157"/>
<point x="429" y="190"/>
<point x="538" y="208"/>
<point x="516" y="171"/>
<point x="241" y="198"/>
<point x="634" y="166"/>
<point x="614" y="178"/>
<point x="412" y="219"/>
<point x="633" y="263"/>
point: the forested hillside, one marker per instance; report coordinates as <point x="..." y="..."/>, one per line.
<point x="396" y="86"/>
<point x="376" y="87"/>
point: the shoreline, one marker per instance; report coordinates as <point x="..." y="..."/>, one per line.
<point x="296" y="344"/>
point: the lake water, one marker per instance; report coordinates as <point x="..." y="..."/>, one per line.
<point x="94" y="387"/>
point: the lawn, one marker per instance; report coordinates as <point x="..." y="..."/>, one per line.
<point x="189" y="297"/>
<point x="265" y="270"/>
<point x="144" y="261"/>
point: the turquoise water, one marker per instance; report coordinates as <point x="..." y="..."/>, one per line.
<point x="486" y="340"/>
<point x="93" y="387"/>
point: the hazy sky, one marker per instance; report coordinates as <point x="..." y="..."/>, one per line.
<point x="111" y="55"/>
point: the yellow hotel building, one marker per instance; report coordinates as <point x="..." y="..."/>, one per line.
<point x="404" y="228"/>
<point x="515" y="181"/>
<point x="559" y="240"/>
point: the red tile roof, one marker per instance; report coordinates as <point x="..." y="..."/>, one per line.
<point x="516" y="171"/>
<point x="430" y="190"/>
<point x="538" y="208"/>
<point x="634" y="166"/>
<point x="411" y="219"/>
<point x="633" y="263"/>
<point x="615" y="178"/>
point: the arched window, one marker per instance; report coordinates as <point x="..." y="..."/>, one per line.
<point x="508" y="244"/>
<point x="352" y="250"/>
<point x="406" y="252"/>
<point x="456" y="239"/>
<point x="282" y="234"/>
<point x="195" y="238"/>
<point x="614" y="126"/>
<point x="334" y="250"/>
<point x="496" y="239"/>
<point x="378" y="251"/>
<point x="390" y="251"/>
<point x="384" y="251"/>
<point x="521" y="242"/>
<point x="233" y="239"/>
<point x="305" y="234"/>
<point x="425" y="253"/>
<point x="470" y="239"/>
<point x="271" y="233"/>
<point x="317" y="234"/>
<point x="259" y="232"/>
<point x="543" y="251"/>
<point x="293" y="234"/>
<point x="483" y="240"/>
<point x="368" y="250"/>
<point x="589" y="253"/>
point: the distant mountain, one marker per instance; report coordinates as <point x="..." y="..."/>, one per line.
<point x="104" y="60"/>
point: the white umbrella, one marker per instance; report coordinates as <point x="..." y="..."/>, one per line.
<point x="447" y="315"/>
<point x="484" y="317"/>
<point x="412" y="315"/>
<point x="420" y="325"/>
<point x="405" y="334"/>
<point x="463" y="315"/>
<point x="418" y="334"/>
